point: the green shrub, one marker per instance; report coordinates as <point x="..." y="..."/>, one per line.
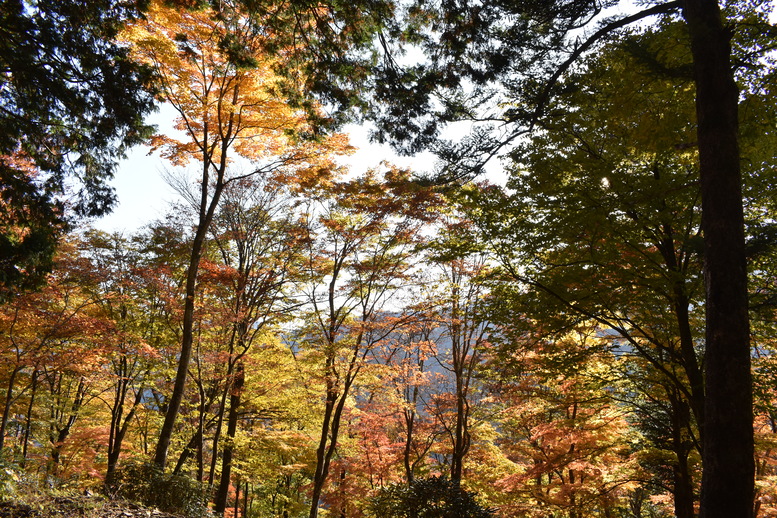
<point x="433" y="497"/>
<point x="10" y="477"/>
<point x="148" y="485"/>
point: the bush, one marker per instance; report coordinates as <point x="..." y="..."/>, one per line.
<point x="433" y="497"/>
<point x="150" y="486"/>
<point x="10" y="476"/>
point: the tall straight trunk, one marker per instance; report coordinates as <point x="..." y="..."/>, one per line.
<point x="220" y="501"/>
<point x="683" y="490"/>
<point x="245" y="499"/>
<point x="461" y="442"/>
<point x="28" y="417"/>
<point x="727" y="450"/>
<point x="217" y="434"/>
<point x="237" y="499"/>
<point x="410" y="425"/>
<point x="201" y="433"/>
<point x="187" y="339"/>
<point x="207" y="210"/>
<point x="7" y="406"/>
<point x="322" y="468"/>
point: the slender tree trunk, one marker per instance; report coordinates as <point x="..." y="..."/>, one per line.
<point x="7" y="406"/>
<point x="217" y="434"/>
<point x="728" y="475"/>
<point x="410" y="424"/>
<point x="114" y="449"/>
<point x="174" y="404"/>
<point x="461" y="440"/>
<point x="322" y="470"/>
<point x="329" y="434"/>
<point x="688" y="353"/>
<point x="245" y="499"/>
<point x="28" y="419"/>
<point x="683" y="480"/>
<point x="201" y="433"/>
<point x="220" y="501"/>
<point x="207" y="210"/>
<point x="237" y="499"/>
<point x="187" y="452"/>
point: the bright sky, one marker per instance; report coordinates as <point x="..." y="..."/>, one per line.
<point x="143" y="195"/>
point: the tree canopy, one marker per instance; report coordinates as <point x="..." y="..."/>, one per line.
<point x="72" y="104"/>
<point x="591" y="336"/>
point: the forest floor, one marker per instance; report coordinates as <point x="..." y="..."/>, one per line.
<point x="79" y="507"/>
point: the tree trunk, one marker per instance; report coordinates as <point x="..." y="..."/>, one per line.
<point x="217" y="434"/>
<point x="683" y="490"/>
<point x="190" y="447"/>
<point x="174" y="404"/>
<point x="207" y="210"/>
<point x="220" y="501"/>
<point x="322" y="467"/>
<point x="409" y="423"/>
<point x="114" y="444"/>
<point x="330" y="431"/>
<point x="461" y="442"/>
<point x="7" y="407"/>
<point x="728" y="475"/>
<point x="28" y="419"/>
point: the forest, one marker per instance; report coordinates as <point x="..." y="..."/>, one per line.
<point x="570" y="315"/>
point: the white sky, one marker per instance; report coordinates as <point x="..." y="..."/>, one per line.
<point x="143" y="194"/>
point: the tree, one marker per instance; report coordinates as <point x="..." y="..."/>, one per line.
<point x="463" y="342"/>
<point x="54" y="342"/>
<point x="139" y="313"/>
<point x="72" y="104"/>
<point x="358" y="257"/>
<point x="409" y="358"/>
<point x="728" y="473"/>
<point x="209" y="70"/>
<point x="561" y="425"/>
<point x="520" y="50"/>
<point x="625" y="252"/>
<point x="256" y="238"/>
<point x="626" y="173"/>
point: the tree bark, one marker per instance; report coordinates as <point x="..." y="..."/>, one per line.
<point x="728" y="475"/>
<point x="207" y="210"/>
<point x="7" y="406"/>
<point x="220" y="501"/>
<point x="174" y="404"/>
<point x="325" y="442"/>
<point x="118" y="432"/>
<point x="28" y="417"/>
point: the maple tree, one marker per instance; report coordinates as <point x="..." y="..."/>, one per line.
<point x="139" y="307"/>
<point x="208" y="69"/>
<point x="54" y="343"/>
<point x="275" y="454"/>
<point x="561" y="425"/>
<point x="409" y="356"/>
<point x="463" y="344"/>
<point x="256" y="238"/>
<point x="358" y="257"/>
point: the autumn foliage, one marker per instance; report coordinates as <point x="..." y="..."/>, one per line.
<point x="296" y="338"/>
